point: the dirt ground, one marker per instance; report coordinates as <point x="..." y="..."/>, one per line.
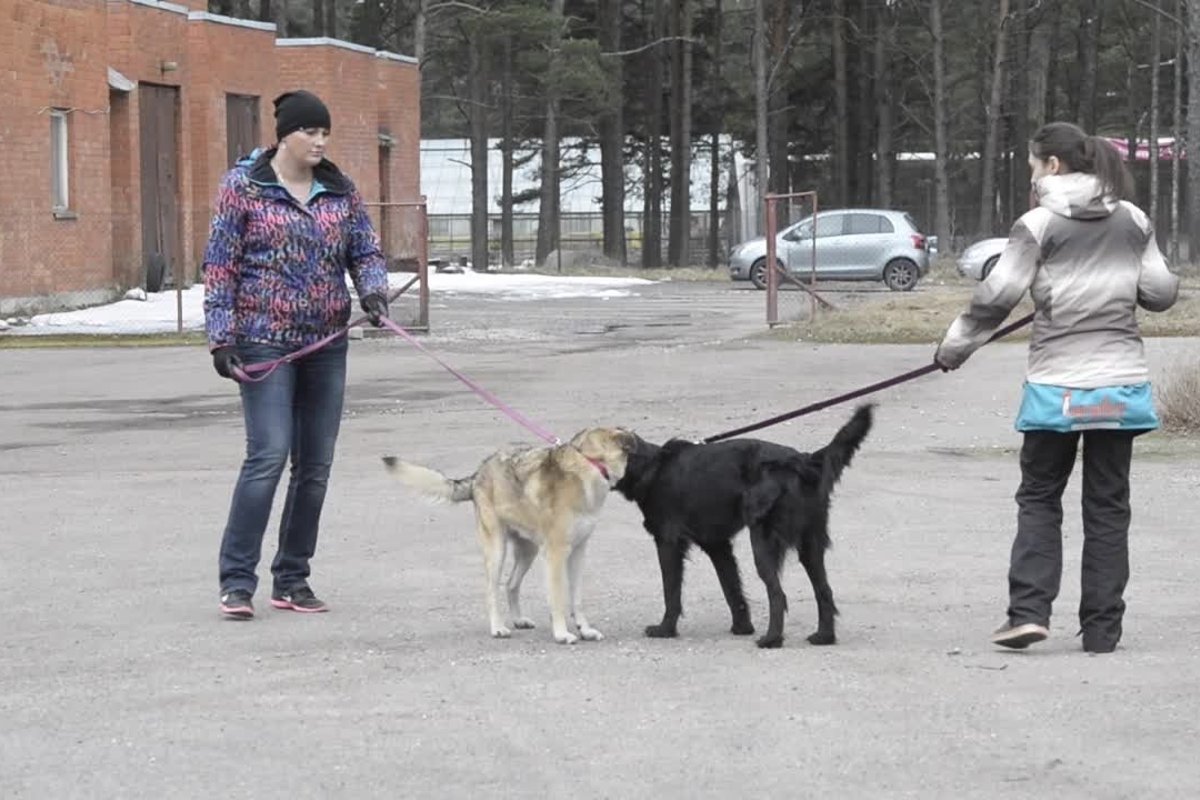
<point x="118" y="679"/>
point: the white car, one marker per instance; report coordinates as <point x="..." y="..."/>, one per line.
<point x="978" y="260"/>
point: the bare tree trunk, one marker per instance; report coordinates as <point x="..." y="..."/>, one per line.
<point x="762" y="155"/>
<point x="1178" y="125"/>
<point x="507" y="246"/>
<point x="1193" y="126"/>
<point x="548" y="207"/>
<point x="884" y="103"/>
<point x="478" y="123"/>
<point x="941" y="146"/>
<point x="612" y="137"/>
<point x="419" y="24"/>
<point x="278" y="10"/>
<point x="714" y="178"/>
<point x="1050" y="94"/>
<point x="779" y="177"/>
<point x="679" y="240"/>
<point x="1041" y="43"/>
<point x="652" y="202"/>
<point x="1089" y="36"/>
<point x="372" y="23"/>
<point x="841" y="142"/>
<point x="865" y="114"/>
<point x="992" y="136"/>
<point x="1019" y="176"/>
<point x="318" y="7"/>
<point x="265" y="12"/>
<point x="1155" y="61"/>
<point x="331" y="18"/>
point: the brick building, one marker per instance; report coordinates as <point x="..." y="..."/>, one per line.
<point x="120" y="116"/>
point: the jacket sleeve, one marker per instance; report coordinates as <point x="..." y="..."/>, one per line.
<point x="368" y="267"/>
<point x="994" y="298"/>
<point x="1158" y="287"/>
<point x="222" y="265"/>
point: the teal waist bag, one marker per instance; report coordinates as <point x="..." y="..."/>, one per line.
<point x="1058" y="408"/>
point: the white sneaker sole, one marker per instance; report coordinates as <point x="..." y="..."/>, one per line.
<point x="1022" y="636"/>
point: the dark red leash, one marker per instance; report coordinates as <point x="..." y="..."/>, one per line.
<point x="843" y="398"/>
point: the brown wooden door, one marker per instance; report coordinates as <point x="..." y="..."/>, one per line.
<point x="158" y="121"/>
<point x="241" y="125"/>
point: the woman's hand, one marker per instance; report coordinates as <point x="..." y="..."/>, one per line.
<point x="376" y="307"/>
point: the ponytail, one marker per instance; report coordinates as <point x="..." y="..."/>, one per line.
<point x="1079" y="152"/>
<point x="1110" y="168"/>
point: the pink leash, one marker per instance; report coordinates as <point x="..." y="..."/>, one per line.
<point x="507" y="410"/>
<point x="253" y="373"/>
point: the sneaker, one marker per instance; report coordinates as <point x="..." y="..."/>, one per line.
<point x="1018" y="637"/>
<point x="236" y="604"/>
<point x="299" y="599"/>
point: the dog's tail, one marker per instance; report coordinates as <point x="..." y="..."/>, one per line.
<point x="836" y="455"/>
<point x="430" y="482"/>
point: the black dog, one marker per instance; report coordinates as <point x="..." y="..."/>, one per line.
<point x="704" y="494"/>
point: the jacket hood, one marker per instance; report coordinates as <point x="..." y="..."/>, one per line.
<point x="1076" y="195"/>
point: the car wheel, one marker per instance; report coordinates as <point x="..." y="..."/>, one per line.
<point x="758" y="273"/>
<point x="900" y="275"/>
<point x="988" y="266"/>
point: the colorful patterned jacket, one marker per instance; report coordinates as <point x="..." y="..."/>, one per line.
<point x="275" y="269"/>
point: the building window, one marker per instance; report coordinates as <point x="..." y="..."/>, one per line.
<point x="60" y="197"/>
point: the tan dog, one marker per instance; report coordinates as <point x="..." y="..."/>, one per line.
<point x="538" y="497"/>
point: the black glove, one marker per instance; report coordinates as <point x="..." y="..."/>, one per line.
<point x="224" y="360"/>
<point x="376" y="307"/>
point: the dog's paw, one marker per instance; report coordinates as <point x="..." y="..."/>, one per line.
<point x="742" y="628"/>
<point x="822" y="638"/>
<point x="501" y="633"/>
<point x="660" y="632"/>
<point x="566" y="638"/>
<point x="590" y="634"/>
<point x="770" y="642"/>
<point x="523" y="623"/>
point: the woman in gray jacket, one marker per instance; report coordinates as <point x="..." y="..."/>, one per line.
<point x="1089" y="259"/>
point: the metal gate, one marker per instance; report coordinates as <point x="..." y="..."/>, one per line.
<point x="778" y="271"/>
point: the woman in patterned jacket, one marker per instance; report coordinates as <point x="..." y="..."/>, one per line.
<point x="1089" y="259"/>
<point x="288" y="227"/>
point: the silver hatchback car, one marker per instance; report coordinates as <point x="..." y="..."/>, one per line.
<point x="852" y="244"/>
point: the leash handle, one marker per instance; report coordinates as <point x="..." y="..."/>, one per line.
<point x="260" y="371"/>
<point x="874" y="387"/>
<point x="263" y="369"/>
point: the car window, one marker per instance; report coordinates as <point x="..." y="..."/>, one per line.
<point x="830" y="225"/>
<point x="801" y="231"/>
<point x="868" y="223"/>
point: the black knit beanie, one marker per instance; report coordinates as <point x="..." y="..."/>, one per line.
<point x="297" y="110"/>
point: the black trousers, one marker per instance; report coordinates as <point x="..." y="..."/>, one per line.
<point x="1035" y="571"/>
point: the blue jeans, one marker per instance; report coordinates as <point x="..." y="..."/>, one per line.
<point x="295" y="412"/>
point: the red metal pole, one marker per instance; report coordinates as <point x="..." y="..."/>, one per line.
<point x="423" y="265"/>
<point x="812" y="278"/>
<point x="772" y="277"/>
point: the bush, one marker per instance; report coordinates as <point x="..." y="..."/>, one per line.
<point x="1179" y="398"/>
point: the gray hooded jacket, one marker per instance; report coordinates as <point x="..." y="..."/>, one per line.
<point x="1089" y="261"/>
